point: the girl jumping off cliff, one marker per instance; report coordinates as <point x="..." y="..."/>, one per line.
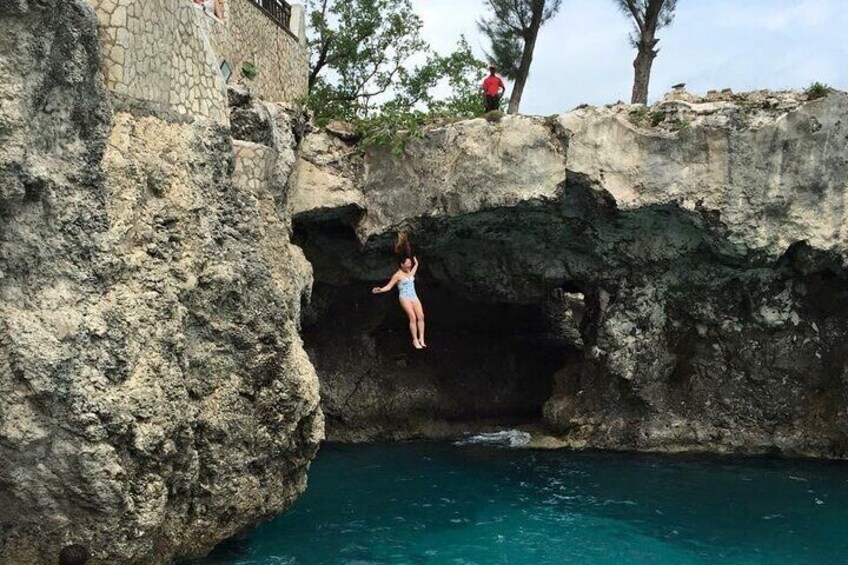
<point x="404" y="278"/>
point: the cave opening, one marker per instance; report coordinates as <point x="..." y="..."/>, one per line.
<point x="489" y="363"/>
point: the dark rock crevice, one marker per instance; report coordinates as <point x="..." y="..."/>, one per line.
<point x="487" y="364"/>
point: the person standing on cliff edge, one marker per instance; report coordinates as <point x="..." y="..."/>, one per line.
<point x="493" y="89"/>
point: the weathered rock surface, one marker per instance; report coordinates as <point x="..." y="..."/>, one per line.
<point x="463" y="168"/>
<point x="327" y="177"/>
<point x="774" y="171"/>
<point x="156" y="397"/>
<point x="773" y="166"/>
<point x="706" y="238"/>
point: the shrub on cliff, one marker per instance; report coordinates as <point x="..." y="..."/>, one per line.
<point x="817" y="90"/>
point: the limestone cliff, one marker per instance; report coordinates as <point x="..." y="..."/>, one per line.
<point x="156" y="397"/>
<point x="678" y="271"/>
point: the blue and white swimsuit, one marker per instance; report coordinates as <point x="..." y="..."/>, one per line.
<point x="407" y="288"/>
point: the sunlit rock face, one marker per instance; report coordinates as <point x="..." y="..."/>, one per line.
<point x="156" y="397"/>
<point x="681" y="267"/>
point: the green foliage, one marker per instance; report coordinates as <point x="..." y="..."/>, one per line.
<point x="358" y="52"/>
<point x="248" y="70"/>
<point x="460" y="73"/>
<point x="361" y="72"/>
<point x="391" y="130"/>
<point x="646" y="14"/>
<point x="360" y="66"/>
<point x="817" y="90"/>
<point x="414" y="106"/>
<point x="506" y="47"/>
<point x="638" y="116"/>
<point x="679" y="124"/>
<point x="508" y="26"/>
<point x="644" y="117"/>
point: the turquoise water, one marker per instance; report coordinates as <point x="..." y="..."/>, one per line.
<point x="443" y="504"/>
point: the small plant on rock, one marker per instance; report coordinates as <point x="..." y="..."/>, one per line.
<point x="248" y="70"/>
<point x="391" y="130"/>
<point x="817" y="90"/>
<point x="656" y="118"/>
<point x="637" y="117"/>
<point x="494" y="116"/>
<point x="679" y="124"/>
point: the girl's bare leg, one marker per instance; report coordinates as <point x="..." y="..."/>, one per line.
<point x="413" y="326"/>
<point x="419" y="317"/>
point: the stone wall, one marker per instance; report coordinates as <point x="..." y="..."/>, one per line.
<point x="158" y="52"/>
<point x="281" y="59"/>
<point x="166" y="54"/>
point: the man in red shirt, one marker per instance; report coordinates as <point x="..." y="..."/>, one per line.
<point x="493" y="89"/>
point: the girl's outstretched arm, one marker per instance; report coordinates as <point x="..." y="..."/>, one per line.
<point x="388" y="287"/>
<point x="414" y="266"/>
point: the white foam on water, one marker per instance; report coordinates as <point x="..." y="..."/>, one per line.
<point x="508" y="438"/>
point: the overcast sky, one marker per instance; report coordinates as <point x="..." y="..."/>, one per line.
<point x="584" y="56"/>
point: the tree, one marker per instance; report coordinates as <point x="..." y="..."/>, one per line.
<point x="415" y="105"/>
<point x="361" y="70"/>
<point x="364" y="45"/>
<point x="360" y="53"/>
<point x="648" y="16"/>
<point x="461" y="72"/>
<point x="512" y="28"/>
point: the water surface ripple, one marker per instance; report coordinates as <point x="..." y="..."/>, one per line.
<point x="437" y="503"/>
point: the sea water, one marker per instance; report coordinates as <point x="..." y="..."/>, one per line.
<point x="478" y="504"/>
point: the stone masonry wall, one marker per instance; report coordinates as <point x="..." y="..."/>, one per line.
<point x="282" y="62"/>
<point x="158" y="52"/>
<point x="166" y="54"/>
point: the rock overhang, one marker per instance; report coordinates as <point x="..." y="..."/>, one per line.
<point x="697" y="241"/>
<point x="772" y="168"/>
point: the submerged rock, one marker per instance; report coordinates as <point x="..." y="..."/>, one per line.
<point x="679" y="269"/>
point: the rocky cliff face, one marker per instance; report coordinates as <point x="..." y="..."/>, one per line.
<point x="678" y="271"/>
<point x="156" y="397"/>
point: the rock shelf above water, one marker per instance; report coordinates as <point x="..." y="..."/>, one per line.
<point x="682" y="265"/>
<point x="772" y="166"/>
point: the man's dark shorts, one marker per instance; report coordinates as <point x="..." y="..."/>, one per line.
<point x="492" y="102"/>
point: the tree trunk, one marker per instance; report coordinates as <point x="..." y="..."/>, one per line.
<point x="642" y="75"/>
<point x="526" y="61"/>
<point x="646" y="54"/>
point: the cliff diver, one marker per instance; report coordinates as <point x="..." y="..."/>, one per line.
<point x="404" y="278"/>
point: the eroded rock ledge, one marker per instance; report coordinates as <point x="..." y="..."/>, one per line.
<point x="679" y="271"/>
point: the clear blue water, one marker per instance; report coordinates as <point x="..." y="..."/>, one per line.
<point x="444" y="504"/>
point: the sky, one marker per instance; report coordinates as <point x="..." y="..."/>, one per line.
<point x="584" y="55"/>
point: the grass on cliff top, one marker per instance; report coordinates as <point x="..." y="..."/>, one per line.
<point x="644" y="117"/>
<point x="817" y="90"/>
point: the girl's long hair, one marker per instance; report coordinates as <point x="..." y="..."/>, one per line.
<point x="402" y="247"/>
